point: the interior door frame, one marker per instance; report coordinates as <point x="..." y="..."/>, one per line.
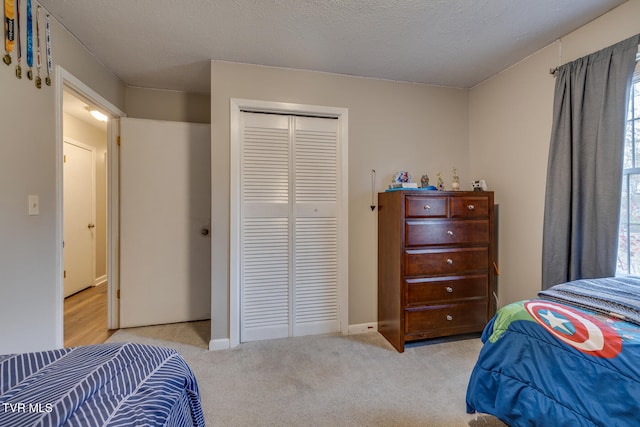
<point x="64" y="79"/>
<point x="237" y="106"/>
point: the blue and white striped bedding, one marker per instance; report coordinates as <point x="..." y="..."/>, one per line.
<point x="100" y="385"/>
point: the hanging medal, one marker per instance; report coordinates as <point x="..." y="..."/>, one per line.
<point x="29" y="41"/>
<point x="9" y="34"/>
<point x="19" y="53"/>
<point x="38" y="64"/>
<point x="47" y="80"/>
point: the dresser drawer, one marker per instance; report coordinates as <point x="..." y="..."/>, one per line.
<point x="470" y="207"/>
<point x="467" y="316"/>
<point x="428" y="290"/>
<point x="432" y="262"/>
<point x="439" y="232"/>
<point x="426" y="206"/>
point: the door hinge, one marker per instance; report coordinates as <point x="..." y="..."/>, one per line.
<point x="118" y="294"/>
<point x="65" y="274"/>
<point x="118" y="141"/>
<point x="64" y="158"/>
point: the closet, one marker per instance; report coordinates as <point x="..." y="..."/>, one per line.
<point x="289" y="222"/>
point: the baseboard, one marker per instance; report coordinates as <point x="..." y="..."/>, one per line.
<point x="100" y="280"/>
<point x="362" y="328"/>
<point x="225" y="344"/>
<point x="219" y="344"/>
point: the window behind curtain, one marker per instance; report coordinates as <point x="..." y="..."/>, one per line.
<point x="629" y="235"/>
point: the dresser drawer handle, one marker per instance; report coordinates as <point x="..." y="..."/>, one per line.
<point x="449" y="289"/>
<point x="450" y="233"/>
<point x="449" y="317"/>
<point x="471" y="207"/>
<point x="427" y="207"/>
<point x="449" y="261"/>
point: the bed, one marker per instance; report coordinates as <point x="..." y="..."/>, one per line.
<point x="120" y="384"/>
<point x="569" y="358"/>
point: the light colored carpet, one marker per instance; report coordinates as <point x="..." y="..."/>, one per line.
<point x="327" y="380"/>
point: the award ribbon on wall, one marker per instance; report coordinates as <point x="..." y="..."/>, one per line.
<point x="9" y="31"/>
<point x="29" y="41"/>
<point x="19" y="52"/>
<point x="38" y="63"/>
<point x="47" y="80"/>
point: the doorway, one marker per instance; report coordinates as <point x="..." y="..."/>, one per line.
<point x="85" y="228"/>
<point x="75" y="124"/>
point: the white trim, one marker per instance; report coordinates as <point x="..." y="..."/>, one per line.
<point x="100" y="280"/>
<point x="62" y="79"/>
<point x="220" y="344"/>
<point x="363" y="328"/>
<point x="234" y="226"/>
<point x="236" y="107"/>
<point x="113" y="223"/>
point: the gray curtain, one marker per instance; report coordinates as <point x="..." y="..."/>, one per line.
<point x="584" y="173"/>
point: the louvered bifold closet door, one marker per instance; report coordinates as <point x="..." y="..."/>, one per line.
<point x="289" y="226"/>
<point x="315" y="246"/>
<point x="265" y="227"/>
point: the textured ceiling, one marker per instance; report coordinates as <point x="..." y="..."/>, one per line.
<point x="169" y="44"/>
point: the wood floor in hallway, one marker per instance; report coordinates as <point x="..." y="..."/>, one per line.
<point x="85" y="317"/>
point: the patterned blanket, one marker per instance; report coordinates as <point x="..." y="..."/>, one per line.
<point x="100" y="385"/>
<point x="612" y="296"/>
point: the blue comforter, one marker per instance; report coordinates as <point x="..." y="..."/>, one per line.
<point x="100" y="385"/>
<point x="548" y="364"/>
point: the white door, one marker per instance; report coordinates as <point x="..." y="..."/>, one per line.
<point x="79" y="214"/>
<point x="315" y="237"/>
<point x="289" y="223"/>
<point x="165" y="204"/>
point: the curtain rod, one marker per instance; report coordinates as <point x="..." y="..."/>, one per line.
<point x="554" y="70"/>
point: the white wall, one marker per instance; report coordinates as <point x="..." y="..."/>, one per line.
<point x="28" y="243"/>
<point x="392" y="126"/>
<point x="171" y="105"/>
<point x="509" y="129"/>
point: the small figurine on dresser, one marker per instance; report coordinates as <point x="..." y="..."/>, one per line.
<point x="455" y="184"/>
<point x="440" y="182"/>
<point x="424" y="181"/>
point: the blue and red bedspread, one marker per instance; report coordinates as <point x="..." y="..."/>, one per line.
<point x="545" y="363"/>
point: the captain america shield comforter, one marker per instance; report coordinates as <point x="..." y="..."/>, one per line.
<point x="548" y="363"/>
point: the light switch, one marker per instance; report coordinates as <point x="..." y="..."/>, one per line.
<point x="34" y="204"/>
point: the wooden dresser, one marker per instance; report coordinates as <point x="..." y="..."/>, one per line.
<point x="435" y="263"/>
